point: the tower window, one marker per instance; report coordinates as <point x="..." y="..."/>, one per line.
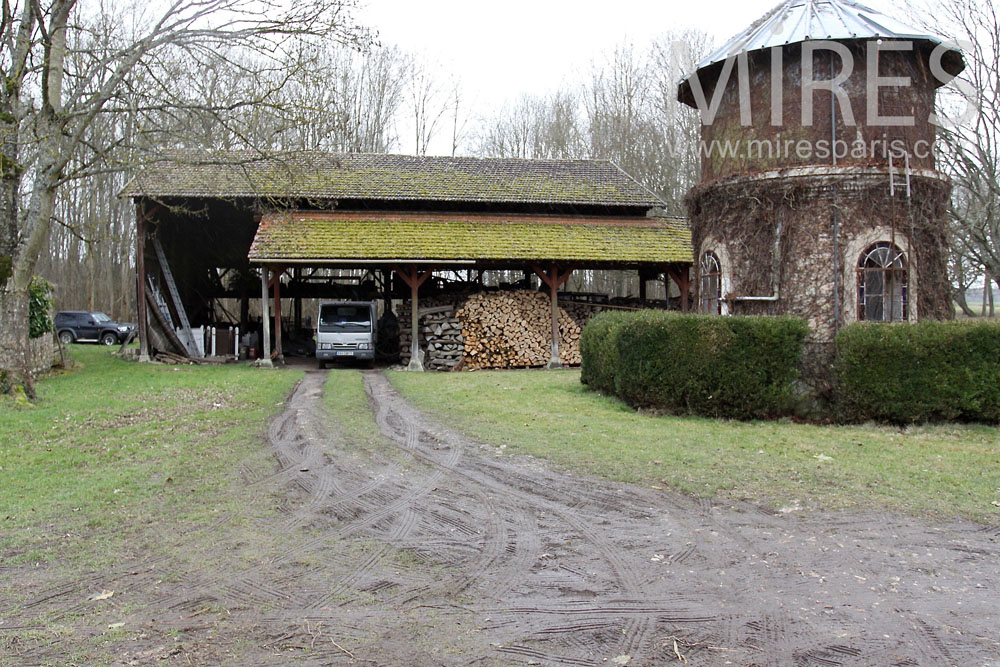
<point x="882" y="290"/>
<point x="711" y="284"/>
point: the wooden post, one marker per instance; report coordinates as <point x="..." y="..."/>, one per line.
<point x="277" y="316"/>
<point x="643" y="277"/>
<point x="386" y="290"/>
<point x="681" y="276"/>
<point x="554" y="280"/>
<point x="140" y="271"/>
<point x="297" y="303"/>
<point x="414" y="278"/>
<point x="416" y="363"/>
<point x="554" y="297"/>
<point x="265" y="357"/>
<point x="685" y="289"/>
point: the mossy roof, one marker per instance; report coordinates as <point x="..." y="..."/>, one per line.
<point x="329" y="236"/>
<point x="334" y="176"/>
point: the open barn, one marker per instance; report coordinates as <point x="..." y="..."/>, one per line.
<point x="227" y="241"/>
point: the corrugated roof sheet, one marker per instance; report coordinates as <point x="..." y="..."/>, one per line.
<point x="317" y="235"/>
<point x="332" y="176"/>
<point x="801" y="20"/>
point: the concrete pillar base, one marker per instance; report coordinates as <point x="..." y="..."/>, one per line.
<point x="416" y="359"/>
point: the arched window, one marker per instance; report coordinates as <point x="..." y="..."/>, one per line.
<point x="711" y="284"/>
<point x="882" y="293"/>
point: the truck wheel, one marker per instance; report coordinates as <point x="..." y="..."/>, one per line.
<point x="66" y="337"/>
<point x="108" y="338"/>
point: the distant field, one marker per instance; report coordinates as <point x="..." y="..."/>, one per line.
<point x="944" y="471"/>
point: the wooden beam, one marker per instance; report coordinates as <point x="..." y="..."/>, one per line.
<point x="277" y="354"/>
<point x="265" y="351"/>
<point x="140" y="270"/>
<point x="414" y="279"/>
<point x="297" y="303"/>
<point x="554" y="280"/>
<point x="276" y="274"/>
<point x="681" y="274"/>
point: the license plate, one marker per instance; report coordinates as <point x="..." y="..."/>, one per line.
<point x="345" y="353"/>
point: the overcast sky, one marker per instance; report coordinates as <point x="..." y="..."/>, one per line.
<point x="499" y="50"/>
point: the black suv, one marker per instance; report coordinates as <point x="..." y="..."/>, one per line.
<point x="80" y="325"/>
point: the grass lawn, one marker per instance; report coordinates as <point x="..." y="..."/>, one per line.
<point x="942" y="471"/>
<point x="113" y="451"/>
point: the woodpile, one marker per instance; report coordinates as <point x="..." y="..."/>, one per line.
<point x="440" y="334"/>
<point x="171" y="358"/>
<point x="514" y="330"/>
<point x="580" y="312"/>
<point x="504" y="329"/>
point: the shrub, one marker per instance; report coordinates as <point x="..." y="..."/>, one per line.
<point x="930" y="371"/>
<point x="736" y="367"/>
<point x="39" y="307"/>
<point x="599" y="352"/>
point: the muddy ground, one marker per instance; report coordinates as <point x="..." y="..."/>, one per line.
<point x="431" y="549"/>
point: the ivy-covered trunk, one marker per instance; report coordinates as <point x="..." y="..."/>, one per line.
<point x="16" y="355"/>
<point x="14" y="337"/>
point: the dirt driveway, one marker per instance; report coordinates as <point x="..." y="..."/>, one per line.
<point x="431" y="549"/>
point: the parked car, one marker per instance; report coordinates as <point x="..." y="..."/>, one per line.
<point x="73" y="326"/>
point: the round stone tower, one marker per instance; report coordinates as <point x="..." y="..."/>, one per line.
<point x="819" y="195"/>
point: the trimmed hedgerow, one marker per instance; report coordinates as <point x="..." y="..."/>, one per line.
<point x="930" y="371"/>
<point x="599" y="352"/>
<point x="733" y="367"/>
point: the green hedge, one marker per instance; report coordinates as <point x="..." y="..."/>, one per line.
<point x="599" y="351"/>
<point x="931" y="371"/>
<point x="734" y="367"/>
<point x="39" y="307"/>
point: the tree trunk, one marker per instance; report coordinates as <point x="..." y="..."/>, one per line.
<point x="14" y="350"/>
<point x="963" y="303"/>
<point x="988" y="293"/>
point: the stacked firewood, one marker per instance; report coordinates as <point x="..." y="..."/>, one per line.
<point x="579" y="311"/>
<point x="514" y="329"/>
<point x="440" y="333"/>
<point x="505" y="329"/>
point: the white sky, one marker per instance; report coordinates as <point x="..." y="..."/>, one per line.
<point x="499" y="50"/>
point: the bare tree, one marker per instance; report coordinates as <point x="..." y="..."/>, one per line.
<point x="459" y="117"/>
<point x="428" y="104"/>
<point x="535" y="127"/>
<point x="969" y="147"/>
<point x="67" y="64"/>
<point x="635" y="120"/>
<point x="627" y="112"/>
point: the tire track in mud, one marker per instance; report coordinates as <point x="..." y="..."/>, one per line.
<point x="391" y="410"/>
<point x="710" y="538"/>
<point x="293" y="436"/>
<point x="554" y="568"/>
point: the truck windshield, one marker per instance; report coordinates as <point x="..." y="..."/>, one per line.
<point x="345" y="318"/>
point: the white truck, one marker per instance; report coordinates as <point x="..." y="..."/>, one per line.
<point x="346" y="330"/>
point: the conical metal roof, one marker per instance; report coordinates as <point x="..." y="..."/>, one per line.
<point x="801" y="20"/>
